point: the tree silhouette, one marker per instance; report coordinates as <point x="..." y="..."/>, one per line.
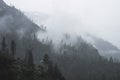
<point x="4" y="44"/>
<point x="46" y="59"/>
<point x="29" y="58"/>
<point x="13" y="48"/>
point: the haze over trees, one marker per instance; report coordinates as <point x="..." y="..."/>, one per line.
<point x="24" y="57"/>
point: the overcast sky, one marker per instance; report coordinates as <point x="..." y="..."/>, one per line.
<point x="97" y="17"/>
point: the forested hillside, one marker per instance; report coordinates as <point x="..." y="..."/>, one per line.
<point x="24" y="57"/>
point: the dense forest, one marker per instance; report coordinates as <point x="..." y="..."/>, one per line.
<point x="70" y="62"/>
<point x="17" y="69"/>
<point x="24" y="57"/>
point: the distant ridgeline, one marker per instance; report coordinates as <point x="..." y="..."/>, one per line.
<point x="24" y="57"/>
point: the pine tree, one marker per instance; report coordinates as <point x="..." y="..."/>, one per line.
<point x="111" y="60"/>
<point x="50" y="71"/>
<point x="57" y="74"/>
<point x="46" y="59"/>
<point x="13" y="48"/>
<point x="8" y="70"/>
<point x="3" y="44"/>
<point x="29" y="61"/>
<point x="4" y="47"/>
<point x="28" y="68"/>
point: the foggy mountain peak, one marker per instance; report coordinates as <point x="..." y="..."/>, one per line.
<point x="14" y="21"/>
<point x="97" y="42"/>
<point x="63" y="52"/>
<point x="100" y="43"/>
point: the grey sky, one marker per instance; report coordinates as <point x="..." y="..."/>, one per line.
<point x="97" y="17"/>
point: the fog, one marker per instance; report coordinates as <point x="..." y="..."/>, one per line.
<point x="97" y="17"/>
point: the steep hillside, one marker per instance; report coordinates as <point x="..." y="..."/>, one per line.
<point x="13" y="20"/>
<point x="14" y="25"/>
<point x="77" y="60"/>
<point x="105" y="48"/>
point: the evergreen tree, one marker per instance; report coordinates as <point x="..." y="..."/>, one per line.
<point x="13" y="48"/>
<point x="8" y="69"/>
<point x="28" y="69"/>
<point x="29" y="58"/>
<point x="111" y="60"/>
<point x="46" y="59"/>
<point x="4" y="44"/>
<point x="57" y="74"/>
<point x="4" y="48"/>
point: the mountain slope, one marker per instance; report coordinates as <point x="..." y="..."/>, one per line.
<point x="14" y="25"/>
<point x="13" y="20"/>
<point x="105" y="48"/>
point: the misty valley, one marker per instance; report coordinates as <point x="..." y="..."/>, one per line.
<point x="27" y="54"/>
